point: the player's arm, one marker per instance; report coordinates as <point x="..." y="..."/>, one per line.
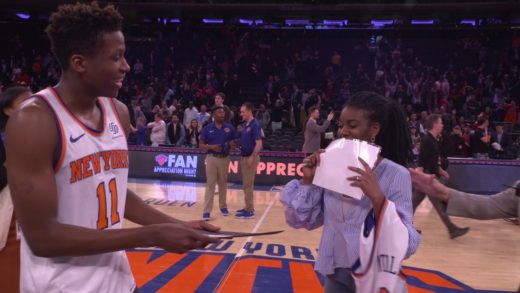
<point x="135" y="209"/>
<point x="31" y="142"/>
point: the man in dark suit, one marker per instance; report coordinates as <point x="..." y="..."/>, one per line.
<point x="456" y="144"/>
<point x="480" y="140"/>
<point x="504" y="139"/>
<point x="313" y="131"/>
<point x="430" y="161"/>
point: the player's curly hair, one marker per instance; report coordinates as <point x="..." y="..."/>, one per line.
<point x="78" y="28"/>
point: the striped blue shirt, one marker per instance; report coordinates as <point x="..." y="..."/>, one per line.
<point x="310" y="206"/>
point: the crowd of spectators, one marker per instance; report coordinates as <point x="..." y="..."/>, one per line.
<point x="472" y="79"/>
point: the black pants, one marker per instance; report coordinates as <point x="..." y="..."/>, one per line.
<point x="438" y="205"/>
<point x="340" y="282"/>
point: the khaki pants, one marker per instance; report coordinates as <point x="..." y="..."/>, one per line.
<point x="216" y="172"/>
<point x="248" y="181"/>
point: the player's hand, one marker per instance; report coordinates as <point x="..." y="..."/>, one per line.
<point x="179" y="238"/>
<point x="216" y="148"/>
<point x="330" y="116"/>
<point x="310" y="164"/>
<point x="202" y="225"/>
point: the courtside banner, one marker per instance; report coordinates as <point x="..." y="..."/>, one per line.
<point x="188" y="165"/>
<point x="278" y="168"/>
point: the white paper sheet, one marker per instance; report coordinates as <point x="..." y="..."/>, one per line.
<point x="332" y="173"/>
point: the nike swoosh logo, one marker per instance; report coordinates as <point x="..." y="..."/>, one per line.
<point x="75" y="139"/>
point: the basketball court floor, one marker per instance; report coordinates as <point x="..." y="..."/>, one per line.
<point x="487" y="259"/>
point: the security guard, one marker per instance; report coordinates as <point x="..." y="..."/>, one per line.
<point x="216" y="138"/>
<point x="251" y="144"/>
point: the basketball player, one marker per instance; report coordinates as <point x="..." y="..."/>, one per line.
<point x="67" y="165"/>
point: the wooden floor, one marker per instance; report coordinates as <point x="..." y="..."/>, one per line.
<point x="487" y="258"/>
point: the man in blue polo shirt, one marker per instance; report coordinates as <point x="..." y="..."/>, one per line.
<point x="216" y="138"/>
<point x="251" y="144"/>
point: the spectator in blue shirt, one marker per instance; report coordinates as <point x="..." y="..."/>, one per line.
<point x="203" y="116"/>
<point x="140" y="131"/>
<point x="216" y="139"/>
<point x="251" y="144"/>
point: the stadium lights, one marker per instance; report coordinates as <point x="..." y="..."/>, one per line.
<point x="291" y="22"/>
<point x="471" y="22"/>
<point x="335" y="22"/>
<point x="23" y="15"/>
<point x="380" y="23"/>
<point x="164" y="21"/>
<point x="421" y="22"/>
<point x="246" y="21"/>
<point x="250" y="21"/>
<point x="212" y="20"/>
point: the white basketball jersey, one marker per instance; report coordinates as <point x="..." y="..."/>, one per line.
<point x="383" y="246"/>
<point x="91" y="178"/>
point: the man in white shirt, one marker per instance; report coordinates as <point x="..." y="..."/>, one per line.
<point x="158" y="135"/>
<point x="190" y="113"/>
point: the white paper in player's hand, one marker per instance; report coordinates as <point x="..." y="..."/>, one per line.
<point x="332" y="173"/>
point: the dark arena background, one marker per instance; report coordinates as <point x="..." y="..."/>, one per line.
<point x="457" y="59"/>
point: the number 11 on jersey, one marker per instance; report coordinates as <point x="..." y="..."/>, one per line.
<point x="102" y="222"/>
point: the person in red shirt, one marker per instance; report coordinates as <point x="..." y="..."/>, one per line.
<point x="511" y="112"/>
<point x="22" y="79"/>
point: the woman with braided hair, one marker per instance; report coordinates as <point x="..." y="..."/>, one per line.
<point x="387" y="187"/>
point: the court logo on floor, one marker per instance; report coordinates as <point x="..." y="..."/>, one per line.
<point x="214" y="270"/>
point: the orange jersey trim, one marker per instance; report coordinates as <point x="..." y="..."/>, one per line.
<point x="89" y="130"/>
<point x="61" y="132"/>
